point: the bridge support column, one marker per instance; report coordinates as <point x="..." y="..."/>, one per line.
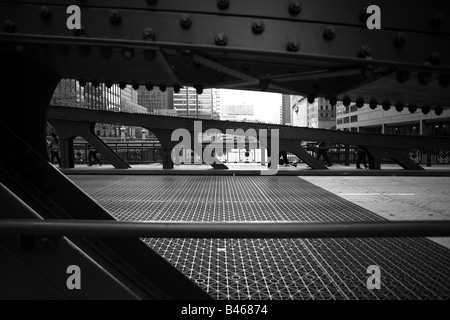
<point x="296" y="149"/>
<point x="347" y="155"/>
<point x="377" y="154"/>
<point x="68" y="130"/>
<point x="67" y="153"/>
<point x="167" y="159"/>
<point x="429" y="154"/>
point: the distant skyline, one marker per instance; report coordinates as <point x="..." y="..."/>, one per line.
<point x="267" y="105"/>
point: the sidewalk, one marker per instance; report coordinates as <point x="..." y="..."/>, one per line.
<point x="256" y="169"/>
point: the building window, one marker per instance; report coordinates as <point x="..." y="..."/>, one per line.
<point x="354" y="119"/>
<point x="346" y="120"/>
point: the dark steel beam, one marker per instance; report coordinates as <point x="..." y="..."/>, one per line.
<point x="250" y="229"/>
<point x="167" y="123"/>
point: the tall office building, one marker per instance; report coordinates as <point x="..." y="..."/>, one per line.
<point x="69" y="93"/>
<point x="156" y="101"/>
<point x="286" y="109"/>
<point x="241" y="112"/>
<point x="391" y="121"/>
<point x="188" y="103"/>
<point x="319" y="114"/>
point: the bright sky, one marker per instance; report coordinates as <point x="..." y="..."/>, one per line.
<point x="267" y="105"/>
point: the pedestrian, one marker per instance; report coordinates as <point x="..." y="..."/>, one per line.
<point x="284" y="159"/>
<point x="361" y="157"/>
<point x="92" y="153"/>
<point x="322" y="151"/>
<point x="54" y="148"/>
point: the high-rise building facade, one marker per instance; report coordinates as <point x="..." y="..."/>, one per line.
<point x="319" y="114"/>
<point x="286" y="109"/>
<point x="352" y="118"/>
<point x="241" y="112"/>
<point x="156" y="101"/>
<point x="188" y="103"/>
<point x="69" y="93"/>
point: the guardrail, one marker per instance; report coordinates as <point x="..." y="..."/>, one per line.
<point x="142" y="152"/>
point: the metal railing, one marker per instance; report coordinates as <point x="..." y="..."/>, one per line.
<point x="249" y="229"/>
<point x="142" y="152"/>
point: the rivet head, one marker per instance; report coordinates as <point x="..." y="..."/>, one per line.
<point x="400" y="39"/>
<point x="122" y="85"/>
<point x="373" y="104"/>
<point x="223" y="4"/>
<point x="128" y="53"/>
<point x="199" y="88"/>
<point x="152" y="2"/>
<point x="311" y="98"/>
<point x="412" y="108"/>
<point x="346" y="101"/>
<point x="176" y="88"/>
<point x="426" y="109"/>
<point x="221" y="39"/>
<point x="295" y="7"/>
<point x="106" y="52"/>
<point x="114" y="17"/>
<point x="435" y="58"/>
<point x="359" y="102"/>
<point x="258" y="26"/>
<point x="95" y="83"/>
<point x="135" y="86"/>
<point x="364" y="51"/>
<point x="399" y="106"/>
<point x="108" y="84"/>
<point x="148" y="34"/>
<point x="436" y="21"/>
<point x="149" y="86"/>
<point x="45" y="14"/>
<point x="424" y="78"/>
<point x="293" y="45"/>
<point x="149" y="55"/>
<point x="162" y="87"/>
<point x="9" y="26"/>
<point x="329" y="33"/>
<point x="333" y="100"/>
<point x="185" y="21"/>
<point x="386" y="105"/>
<point x="79" y="32"/>
<point x="438" y="111"/>
<point x="403" y="76"/>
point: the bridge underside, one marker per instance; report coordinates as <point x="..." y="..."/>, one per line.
<point x="265" y="45"/>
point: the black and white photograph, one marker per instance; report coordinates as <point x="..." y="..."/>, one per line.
<point x="235" y="157"/>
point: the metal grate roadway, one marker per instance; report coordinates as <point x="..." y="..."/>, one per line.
<point x="411" y="268"/>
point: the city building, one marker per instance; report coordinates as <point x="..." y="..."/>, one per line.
<point x="391" y="121"/>
<point x="69" y="93"/>
<point x="241" y="112"/>
<point x="156" y="100"/>
<point x="319" y="114"/>
<point x="188" y="103"/>
<point x="286" y="109"/>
